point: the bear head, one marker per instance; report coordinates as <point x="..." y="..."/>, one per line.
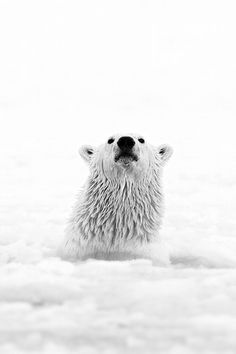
<point x="125" y="156"/>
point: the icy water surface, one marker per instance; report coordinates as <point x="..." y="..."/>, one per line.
<point x="48" y="305"/>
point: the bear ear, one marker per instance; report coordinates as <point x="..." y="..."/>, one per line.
<point x="86" y="152"/>
<point x="165" y="151"/>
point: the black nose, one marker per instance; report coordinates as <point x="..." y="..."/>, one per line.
<point x="126" y="143"/>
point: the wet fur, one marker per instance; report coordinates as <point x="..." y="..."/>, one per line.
<point x="116" y="217"/>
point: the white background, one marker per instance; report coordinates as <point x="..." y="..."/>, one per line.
<point x="75" y="72"/>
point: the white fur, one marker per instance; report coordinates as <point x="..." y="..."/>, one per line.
<point x="118" y="212"/>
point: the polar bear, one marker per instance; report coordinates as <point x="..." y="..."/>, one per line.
<point x="119" y="210"/>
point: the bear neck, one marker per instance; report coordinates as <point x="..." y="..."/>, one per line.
<point x="126" y="208"/>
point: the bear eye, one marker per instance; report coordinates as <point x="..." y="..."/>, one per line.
<point x="141" y="140"/>
<point x="111" y="140"/>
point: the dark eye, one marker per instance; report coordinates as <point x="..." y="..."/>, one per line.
<point x="111" y="140"/>
<point x="141" y="140"/>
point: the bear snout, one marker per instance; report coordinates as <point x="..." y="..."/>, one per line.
<point x="126" y="143"/>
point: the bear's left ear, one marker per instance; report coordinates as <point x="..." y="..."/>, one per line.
<point x="164" y="152"/>
<point x="86" y="152"/>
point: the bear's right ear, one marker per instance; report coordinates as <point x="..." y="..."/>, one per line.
<point x="165" y="151"/>
<point x="86" y="152"/>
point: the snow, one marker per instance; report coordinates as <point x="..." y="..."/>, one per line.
<point x="52" y="306"/>
<point x="74" y="73"/>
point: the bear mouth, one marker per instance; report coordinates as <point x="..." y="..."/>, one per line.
<point x="125" y="158"/>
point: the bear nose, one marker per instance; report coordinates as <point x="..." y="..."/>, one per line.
<point x="126" y="143"/>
